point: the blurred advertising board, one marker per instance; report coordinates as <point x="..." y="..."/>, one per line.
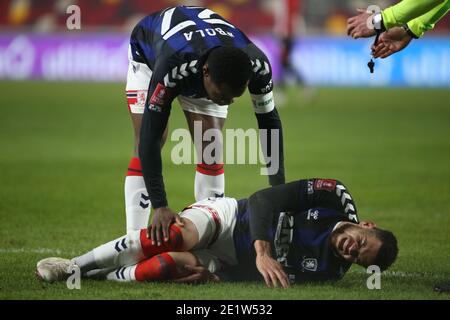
<point x="321" y="61"/>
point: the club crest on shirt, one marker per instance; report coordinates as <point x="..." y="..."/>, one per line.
<point x="309" y="264"/>
<point x="141" y="96"/>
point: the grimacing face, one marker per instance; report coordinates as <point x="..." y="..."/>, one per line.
<point x="356" y="243"/>
<point x="220" y="94"/>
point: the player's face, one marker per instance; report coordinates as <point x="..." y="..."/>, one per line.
<point x="356" y="243"/>
<point x="220" y="94"/>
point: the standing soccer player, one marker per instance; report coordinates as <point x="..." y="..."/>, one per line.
<point x="194" y="54"/>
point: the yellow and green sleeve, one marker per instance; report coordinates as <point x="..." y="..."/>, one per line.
<point x="407" y="10"/>
<point x="426" y="22"/>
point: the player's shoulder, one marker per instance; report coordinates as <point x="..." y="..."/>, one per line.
<point x="171" y="68"/>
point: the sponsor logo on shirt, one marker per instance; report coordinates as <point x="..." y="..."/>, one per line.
<point x="160" y="95"/>
<point x="325" y="184"/>
<point x="314" y="214"/>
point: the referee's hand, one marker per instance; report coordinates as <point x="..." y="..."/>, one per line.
<point x="358" y="26"/>
<point x="390" y="42"/>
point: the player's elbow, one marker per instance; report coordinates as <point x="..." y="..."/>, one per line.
<point x="257" y="200"/>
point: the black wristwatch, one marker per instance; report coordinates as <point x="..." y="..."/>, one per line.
<point x="408" y="30"/>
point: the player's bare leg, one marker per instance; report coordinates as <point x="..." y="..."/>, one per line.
<point x="209" y="176"/>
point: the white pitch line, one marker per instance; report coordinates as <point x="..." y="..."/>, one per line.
<point x="403" y="274"/>
<point x="36" y="250"/>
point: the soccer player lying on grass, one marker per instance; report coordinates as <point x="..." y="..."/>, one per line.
<point x="303" y="230"/>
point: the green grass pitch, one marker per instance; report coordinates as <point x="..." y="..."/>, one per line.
<point x="64" y="149"/>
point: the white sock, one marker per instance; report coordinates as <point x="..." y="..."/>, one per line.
<point x="209" y="181"/>
<point x="123" y="251"/>
<point x="122" y="274"/>
<point x="137" y="202"/>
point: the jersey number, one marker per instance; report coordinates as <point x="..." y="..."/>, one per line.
<point x="205" y="15"/>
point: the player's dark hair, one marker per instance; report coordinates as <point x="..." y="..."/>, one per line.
<point x="231" y="66"/>
<point x="388" y="251"/>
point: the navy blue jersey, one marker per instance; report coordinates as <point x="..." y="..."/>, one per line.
<point x="174" y="44"/>
<point x="301" y="245"/>
<point x="297" y="218"/>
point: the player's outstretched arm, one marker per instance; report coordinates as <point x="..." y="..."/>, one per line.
<point x="154" y="122"/>
<point x="274" y="150"/>
<point x="261" y="91"/>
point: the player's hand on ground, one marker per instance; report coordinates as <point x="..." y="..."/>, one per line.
<point x="163" y="217"/>
<point x="358" y="27"/>
<point x="390" y="42"/>
<point x="197" y="275"/>
<point x="271" y="270"/>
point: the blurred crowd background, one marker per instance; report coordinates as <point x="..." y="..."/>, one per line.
<point x="252" y="16"/>
<point x="306" y="37"/>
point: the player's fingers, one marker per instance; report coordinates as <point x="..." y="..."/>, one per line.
<point x="165" y="231"/>
<point x="158" y="234"/>
<point x="284" y="280"/>
<point x="281" y="276"/>
<point x="153" y="234"/>
<point x="150" y="233"/>
<point x="361" y="10"/>
<point x="273" y="279"/>
<point x="266" y="279"/>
